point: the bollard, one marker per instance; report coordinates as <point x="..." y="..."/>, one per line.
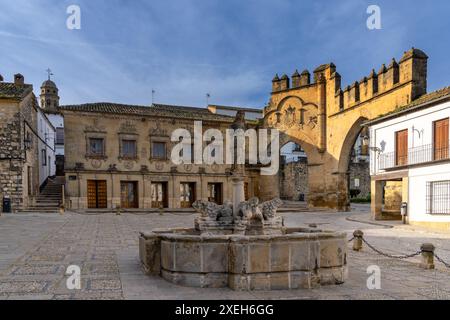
<point x="357" y="241"/>
<point x="427" y="256"/>
<point x="161" y="210"/>
<point x="118" y="211"/>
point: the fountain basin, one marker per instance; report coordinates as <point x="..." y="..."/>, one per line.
<point x="296" y="258"/>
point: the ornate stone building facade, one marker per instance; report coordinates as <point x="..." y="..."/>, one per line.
<point x="326" y="120"/>
<point x="119" y="156"/>
<point x="19" y="176"/>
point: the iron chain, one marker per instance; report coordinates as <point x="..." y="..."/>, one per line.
<point x="441" y="261"/>
<point x="391" y="255"/>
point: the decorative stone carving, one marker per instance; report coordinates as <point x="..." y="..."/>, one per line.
<point x="128" y="127"/>
<point x="214" y="218"/>
<point x="128" y="165"/>
<point x="213" y="210"/>
<point x="289" y="117"/>
<point x="96" y="127"/>
<point x="96" y="163"/>
<point x="158" y="131"/>
<point x="259" y="218"/>
<point x="159" y="165"/>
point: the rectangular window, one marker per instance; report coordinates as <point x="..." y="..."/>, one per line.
<point x="44" y="157"/>
<point x="128" y="149"/>
<point x="59" y="136"/>
<point x="159" y="150"/>
<point x="438" y="197"/>
<point x="440" y="145"/>
<point x="401" y="148"/>
<point x="96" y="146"/>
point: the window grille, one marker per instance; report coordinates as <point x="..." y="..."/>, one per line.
<point x="438" y="197"/>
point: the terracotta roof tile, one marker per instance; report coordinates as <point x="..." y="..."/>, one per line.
<point x="161" y="110"/>
<point x="426" y="98"/>
<point x="12" y="91"/>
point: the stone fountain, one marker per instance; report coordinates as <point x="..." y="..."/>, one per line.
<point x="244" y="245"/>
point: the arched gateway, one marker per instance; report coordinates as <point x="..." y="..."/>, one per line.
<point x="326" y="120"/>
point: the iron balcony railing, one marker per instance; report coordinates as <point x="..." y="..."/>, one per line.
<point x="421" y="154"/>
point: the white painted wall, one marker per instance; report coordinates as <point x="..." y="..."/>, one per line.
<point x="288" y="151"/>
<point x="382" y="135"/>
<point x="57" y="122"/>
<point x="249" y="115"/>
<point x="418" y="178"/>
<point x="46" y="133"/>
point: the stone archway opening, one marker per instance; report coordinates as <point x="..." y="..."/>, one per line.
<point x="293" y="176"/>
<point x="355" y="163"/>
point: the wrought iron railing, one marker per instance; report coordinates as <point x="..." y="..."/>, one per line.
<point x="416" y="155"/>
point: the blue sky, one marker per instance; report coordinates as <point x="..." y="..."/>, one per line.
<point x="231" y="49"/>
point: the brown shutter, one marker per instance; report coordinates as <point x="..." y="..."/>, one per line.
<point x="441" y="139"/>
<point x="401" y="147"/>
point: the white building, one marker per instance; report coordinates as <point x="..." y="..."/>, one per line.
<point x="250" y="113"/>
<point x="46" y="146"/>
<point x="410" y="162"/>
<point x="292" y="152"/>
<point x="49" y="100"/>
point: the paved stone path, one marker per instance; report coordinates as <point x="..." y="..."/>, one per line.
<point x="36" y="249"/>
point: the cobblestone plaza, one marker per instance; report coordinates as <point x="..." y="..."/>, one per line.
<point x="36" y="250"/>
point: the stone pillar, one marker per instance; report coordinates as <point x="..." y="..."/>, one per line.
<point x="357" y="241"/>
<point x="427" y="256"/>
<point x="376" y="191"/>
<point x="238" y="193"/>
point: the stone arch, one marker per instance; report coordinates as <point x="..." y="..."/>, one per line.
<point x="347" y="144"/>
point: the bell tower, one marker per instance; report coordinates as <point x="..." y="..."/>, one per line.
<point x="49" y="94"/>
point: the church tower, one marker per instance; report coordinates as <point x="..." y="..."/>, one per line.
<point x="49" y="94"/>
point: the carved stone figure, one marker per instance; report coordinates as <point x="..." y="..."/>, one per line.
<point x="212" y="210"/>
<point x="253" y="210"/>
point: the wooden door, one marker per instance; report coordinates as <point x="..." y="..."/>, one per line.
<point x="128" y="194"/>
<point x="159" y="195"/>
<point x="401" y="147"/>
<point x="96" y="192"/>
<point x="440" y="145"/>
<point x="246" y="191"/>
<point x="187" y="194"/>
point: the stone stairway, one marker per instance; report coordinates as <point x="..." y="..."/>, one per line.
<point x="49" y="199"/>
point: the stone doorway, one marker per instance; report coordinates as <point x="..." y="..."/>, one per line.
<point x="129" y="194"/>
<point x="187" y="194"/>
<point x="159" y="195"/>
<point x="96" y="194"/>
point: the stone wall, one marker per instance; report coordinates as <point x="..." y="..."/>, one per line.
<point x="359" y="171"/>
<point x="393" y="196"/>
<point x="294" y="180"/>
<point x="18" y="120"/>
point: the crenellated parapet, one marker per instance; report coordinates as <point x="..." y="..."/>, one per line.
<point x="411" y="69"/>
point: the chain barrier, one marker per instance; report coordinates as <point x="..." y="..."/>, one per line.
<point x="406" y="256"/>
<point x="358" y="235"/>
<point x="441" y="261"/>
